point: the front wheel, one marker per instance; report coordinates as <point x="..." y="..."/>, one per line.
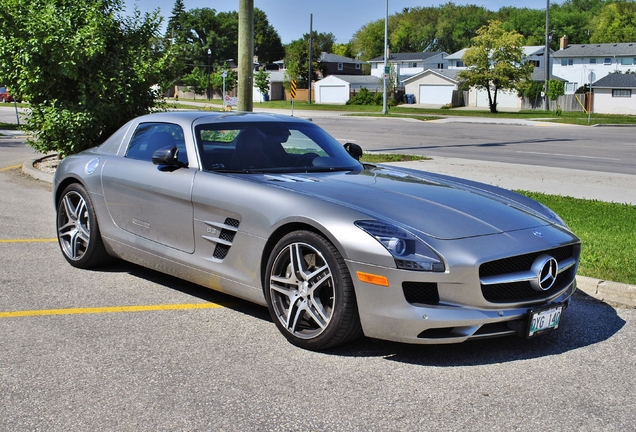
<point x="309" y="292"/>
<point x="77" y="230"/>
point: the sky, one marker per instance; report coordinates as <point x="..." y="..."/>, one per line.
<point x="343" y="18"/>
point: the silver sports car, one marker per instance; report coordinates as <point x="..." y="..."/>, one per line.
<point x="274" y="210"/>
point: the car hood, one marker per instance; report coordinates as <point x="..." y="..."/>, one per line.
<point x="438" y="207"/>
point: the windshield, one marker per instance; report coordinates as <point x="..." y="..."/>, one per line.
<point x="270" y="147"/>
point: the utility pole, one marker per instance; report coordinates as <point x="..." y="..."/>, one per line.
<point x="246" y="55"/>
<point x="546" y="55"/>
<point x="386" y="58"/>
<point x="311" y="42"/>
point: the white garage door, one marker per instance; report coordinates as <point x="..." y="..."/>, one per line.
<point x="439" y="94"/>
<point x="333" y="94"/>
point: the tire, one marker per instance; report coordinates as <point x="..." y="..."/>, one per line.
<point x="309" y="292"/>
<point x="77" y="229"/>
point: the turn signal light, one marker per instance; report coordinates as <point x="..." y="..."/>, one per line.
<point x="373" y="279"/>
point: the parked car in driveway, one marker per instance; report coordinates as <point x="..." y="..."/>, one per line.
<point x="5" y="96"/>
<point x="274" y="210"/>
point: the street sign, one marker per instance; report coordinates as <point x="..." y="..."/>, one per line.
<point x="292" y="89"/>
<point x="387" y="70"/>
<point x="224" y="74"/>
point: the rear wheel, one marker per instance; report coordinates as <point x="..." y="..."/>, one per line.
<point x="310" y="293"/>
<point x="77" y="230"/>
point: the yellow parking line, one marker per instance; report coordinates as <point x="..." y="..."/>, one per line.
<point x="10" y="167"/>
<point x="35" y="240"/>
<point x="111" y="309"/>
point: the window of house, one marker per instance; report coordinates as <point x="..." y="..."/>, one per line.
<point x="625" y="61"/>
<point x="459" y="63"/>
<point x="412" y="65"/>
<point x="536" y="63"/>
<point x="340" y="66"/>
<point x="440" y="65"/>
<point x="607" y="61"/>
<point x="624" y="93"/>
<point x="567" y="62"/>
<point x="592" y="61"/>
<point x="357" y="65"/>
<point x="570" y="87"/>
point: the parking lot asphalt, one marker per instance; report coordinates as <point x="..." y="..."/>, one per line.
<point x="558" y="181"/>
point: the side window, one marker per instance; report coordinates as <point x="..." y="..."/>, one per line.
<point x="150" y="137"/>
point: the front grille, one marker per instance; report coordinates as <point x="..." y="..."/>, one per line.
<point x="523" y="291"/>
<point x="421" y="292"/>
<point x="522" y="262"/>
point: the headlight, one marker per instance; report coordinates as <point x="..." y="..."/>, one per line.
<point x="409" y="252"/>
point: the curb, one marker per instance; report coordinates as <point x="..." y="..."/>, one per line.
<point x="607" y="291"/>
<point x="29" y="169"/>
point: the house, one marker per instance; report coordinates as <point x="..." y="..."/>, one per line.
<point x="433" y="86"/>
<point x="336" y="89"/>
<point x="531" y="53"/>
<point x="406" y="65"/>
<point x="582" y="64"/>
<point x="276" y="89"/>
<point x="615" y="94"/>
<point x="505" y="99"/>
<point x="339" y="65"/>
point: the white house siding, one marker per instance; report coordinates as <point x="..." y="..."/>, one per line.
<point x="604" y="103"/>
<point x="578" y="73"/>
<point x="479" y="98"/>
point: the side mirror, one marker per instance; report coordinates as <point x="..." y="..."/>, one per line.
<point x="168" y="156"/>
<point x="354" y="150"/>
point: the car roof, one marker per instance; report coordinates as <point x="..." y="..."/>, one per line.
<point x="200" y="117"/>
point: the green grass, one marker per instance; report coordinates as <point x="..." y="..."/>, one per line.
<point x="607" y="232"/>
<point x="390" y="157"/>
<point x="9" y="126"/>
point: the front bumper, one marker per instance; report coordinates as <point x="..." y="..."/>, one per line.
<point x="385" y="314"/>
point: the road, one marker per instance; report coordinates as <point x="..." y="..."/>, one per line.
<point x="156" y="367"/>
<point x="607" y="149"/>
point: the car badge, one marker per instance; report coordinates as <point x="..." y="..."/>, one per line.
<point x="547" y="269"/>
<point x="537" y="233"/>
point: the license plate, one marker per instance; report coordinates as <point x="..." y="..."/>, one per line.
<point x="543" y="320"/>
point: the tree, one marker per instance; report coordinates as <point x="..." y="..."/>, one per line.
<point x="616" y="22"/>
<point x="83" y="67"/>
<point x="196" y="81"/>
<point x="174" y="27"/>
<point x="495" y="62"/>
<point x="217" y="79"/>
<point x="556" y="89"/>
<point x="297" y="57"/>
<point x="261" y="81"/>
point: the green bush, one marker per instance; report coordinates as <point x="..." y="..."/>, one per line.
<point x="365" y="97"/>
<point x="83" y="67"/>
